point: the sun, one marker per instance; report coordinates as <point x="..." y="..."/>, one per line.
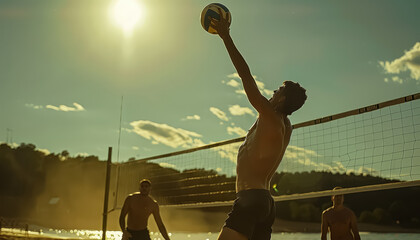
<point x="127" y="14"/>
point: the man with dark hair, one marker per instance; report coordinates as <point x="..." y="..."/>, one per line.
<point x="340" y="220"/>
<point x="253" y="212"/>
<point x="139" y="206"/>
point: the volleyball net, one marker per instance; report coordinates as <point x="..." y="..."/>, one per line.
<point x="371" y="148"/>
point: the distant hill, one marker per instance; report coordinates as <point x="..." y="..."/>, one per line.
<point x="57" y="190"/>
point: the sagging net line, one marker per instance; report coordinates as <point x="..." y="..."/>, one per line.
<point x="380" y="140"/>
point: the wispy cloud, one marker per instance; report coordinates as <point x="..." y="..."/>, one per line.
<point x="237" y="110"/>
<point x="167" y="165"/>
<point x="45" y="151"/>
<point x="410" y="62"/>
<point x="165" y="134"/>
<point x="298" y="159"/>
<point x="263" y="90"/>
<point x="299" y="155"/>
<point x="239" y="90"/>
<point x="364" y="171"/>
<point x="82" y="154"/>
<point x="77" y="108"/>
<point x="233" y="83"/>
<point x="193" y="117"/>
<point x="395" y="79"/>
<point x="30" y="105"/>
<point x="229" y="153"/>
<point x="236" y="130"/>
<point x="219" y="113"/>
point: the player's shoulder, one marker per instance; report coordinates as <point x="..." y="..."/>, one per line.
<point x="153" y="204"/>
<point x="132" y="195"/>
<point x="327" y="211"/>
<point x="349" y="211"/>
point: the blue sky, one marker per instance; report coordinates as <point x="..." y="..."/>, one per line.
<point x="65" y="66"/>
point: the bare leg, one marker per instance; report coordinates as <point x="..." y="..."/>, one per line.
<point x="230" y="234"/>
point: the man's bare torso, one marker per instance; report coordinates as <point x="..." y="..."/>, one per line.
<point x="261" y="153"/>
<point x="140" y="208"/>
<point x="339" y="222"/>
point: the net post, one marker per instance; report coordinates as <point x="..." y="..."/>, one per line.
<point x="107" y="180"/>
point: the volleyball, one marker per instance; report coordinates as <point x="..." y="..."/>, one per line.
<point x="212" y="10"/>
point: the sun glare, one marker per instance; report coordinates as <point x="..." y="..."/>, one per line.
<point x="128" y="13"/>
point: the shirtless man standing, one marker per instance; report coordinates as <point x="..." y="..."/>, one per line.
<point x="253" y="211"/>
<point x="139" y="206"/>
<point x="340" y="220"/>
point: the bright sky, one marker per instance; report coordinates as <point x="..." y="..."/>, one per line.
<point x="65" y="66"/>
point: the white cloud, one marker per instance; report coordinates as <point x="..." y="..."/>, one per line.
<point x="234" y="75"/>
<point x="45" y="151"/>
<point x="367" y="171"/>
<point x="127" y="130"/>
<point x="77" y="107"/>
<point x="233" y="83"/>
<point x="237" y="110"/>
<point x="165" y="134"/>
<point x="237" y="130"/>
<point x="12" y="145"/>
<point x="301" y="150"/>
<point x="30" y="105"/>
<point x="219" y="113"/>
<point x="167" y="165"/>
<point x="297" y="159"/>
<point x="82" y="154"/>
<point x="260" y="85"/>
<point x="302" y="156"/>
<point x="338" y="167"/>
<point x="410" y="62"/>
<point x="229" y="153"/>
<point x="194" y="117"/>
<point x="397" y="79"/>
<point x="262" y="88"/>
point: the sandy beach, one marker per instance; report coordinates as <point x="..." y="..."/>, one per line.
<point x="278" y="227"/>
<point x="311" y="227"/>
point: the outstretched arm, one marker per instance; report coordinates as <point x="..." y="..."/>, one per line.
<point x="258" y="101"/>
<point x="159" y="223"/>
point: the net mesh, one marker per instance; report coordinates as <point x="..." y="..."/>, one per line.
<point x="380" y="141"/>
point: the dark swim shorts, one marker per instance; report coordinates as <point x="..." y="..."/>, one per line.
<point x="252" y="214"/>
<point x="139" y="234"/>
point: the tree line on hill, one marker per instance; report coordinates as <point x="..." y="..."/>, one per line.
<point x="61" y="189"/>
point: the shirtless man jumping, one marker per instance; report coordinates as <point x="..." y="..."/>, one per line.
<point x="139" y="206"/>
<point x="253" y="211"/>
<point x="340" y="220"/>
